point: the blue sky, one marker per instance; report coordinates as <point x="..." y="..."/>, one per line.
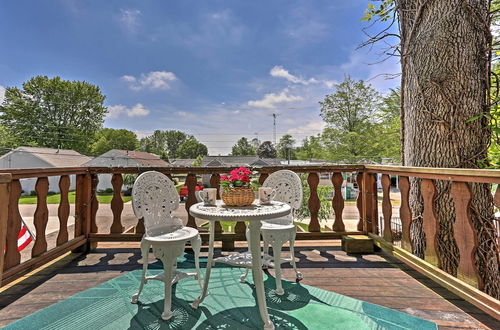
<point x="215" y="69"/>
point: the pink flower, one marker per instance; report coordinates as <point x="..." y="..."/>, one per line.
<point x="224" y="178"/>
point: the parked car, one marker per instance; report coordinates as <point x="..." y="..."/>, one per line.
<point x="184" y="190"/>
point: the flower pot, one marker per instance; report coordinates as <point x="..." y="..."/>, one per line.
<point x="238" y="196"/>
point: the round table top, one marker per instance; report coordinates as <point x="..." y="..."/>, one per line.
<point x="256" y="211"/>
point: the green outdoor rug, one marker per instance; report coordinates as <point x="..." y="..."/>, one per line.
<point x="230" y="305"/>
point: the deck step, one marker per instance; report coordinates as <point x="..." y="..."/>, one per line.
<point x="357" y="244"/>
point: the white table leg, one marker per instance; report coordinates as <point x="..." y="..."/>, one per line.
<point x="257" y="273"/>
<point x="204" y="292"/>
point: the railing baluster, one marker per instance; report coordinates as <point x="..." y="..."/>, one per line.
<point x="5" y="180"/>
<point x="368" y="201"/>
<point x="94" y="204"/>
<point x="359" y="200"/>
<point x="79" y="202"/>
<point x="374" y="204"/>
<point x="387" y="207"/>
<point x="338" y="201"/>
<point x="405" y="212"/>
<point x="262" y="178"/>
<point x="215" y="183"/>
<point x="314" y="202"/>
<point x="41" y="216"/>
<point x="63" y="210"/>
<point x="12" y="255"/>
<point x="430" y="223"/>
<point x="117" y="203"/>
<point x="191" y="198"/>
<point x="465" y="234"/>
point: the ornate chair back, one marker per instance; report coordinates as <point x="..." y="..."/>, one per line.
<point x="154" y="197"/>
<point x="288" y="190"/>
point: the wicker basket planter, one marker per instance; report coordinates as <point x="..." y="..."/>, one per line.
<point x="238" y="196"/>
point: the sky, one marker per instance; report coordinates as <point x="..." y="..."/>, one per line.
<point x="215" y="69"/>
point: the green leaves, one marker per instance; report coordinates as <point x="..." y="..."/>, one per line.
<point x="51" y="112"/>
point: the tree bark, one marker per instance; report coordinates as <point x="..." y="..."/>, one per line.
<point x="445" y="47"/>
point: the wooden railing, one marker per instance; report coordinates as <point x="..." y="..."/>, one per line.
<point x="87" y="231"/>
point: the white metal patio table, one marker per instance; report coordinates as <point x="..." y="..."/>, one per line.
<point x="254" y="214"/>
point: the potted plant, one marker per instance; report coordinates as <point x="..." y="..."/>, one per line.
<point x="236" y="187"/>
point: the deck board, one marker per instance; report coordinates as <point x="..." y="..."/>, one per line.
<point x="377" y="278"/>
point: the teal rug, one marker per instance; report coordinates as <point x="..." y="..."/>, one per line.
<point x="230" y="305"/>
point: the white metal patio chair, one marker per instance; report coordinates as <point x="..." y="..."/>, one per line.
<point x="154" y="197"/>
<point x="277" y="232"/>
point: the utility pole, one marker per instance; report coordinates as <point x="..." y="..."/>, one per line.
<point x="275" y="115"/>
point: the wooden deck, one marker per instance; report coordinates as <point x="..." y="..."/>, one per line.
<point x="376" y="278"/>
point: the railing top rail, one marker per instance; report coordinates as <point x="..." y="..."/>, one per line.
<point x="5" y="178"/>
<point x="220" y="169"/>
<point x="453" y="174"/>
<point x="24" y="173"/>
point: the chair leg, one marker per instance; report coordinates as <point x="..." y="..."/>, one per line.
<point x="298" y="274"/>
<point x="244" y="276"/>
<point x="196" y="245"/>
<point x="277" y="245"/>
<point x="145" y="261"/>
<point x="168" y="273"/>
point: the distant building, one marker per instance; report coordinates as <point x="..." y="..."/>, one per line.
<point x="123" y="158"/>
<point x="34" y="157"/>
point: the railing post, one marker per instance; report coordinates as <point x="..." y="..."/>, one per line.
<point x="83" y="209"/>
<point x="5" y="180"/>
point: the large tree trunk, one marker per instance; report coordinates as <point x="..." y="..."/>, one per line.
<point x="445" y="48"/>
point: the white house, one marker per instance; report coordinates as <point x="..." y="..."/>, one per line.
<point x="34" y="157"/>
<point x="123" y="158"/>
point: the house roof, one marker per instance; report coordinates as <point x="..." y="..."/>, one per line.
<point x="125" y="158"/>
<point x="53" y="157"/>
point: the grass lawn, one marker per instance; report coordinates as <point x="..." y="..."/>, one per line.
<point x="103" y="198"/>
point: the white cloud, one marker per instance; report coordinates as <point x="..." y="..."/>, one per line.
<point x="2" y="94"/>
<point x="280" y="72"/>
<point x="270" y="100"/>
<point x="310" y="128"/>
<point x="151" y="80"/>
<point x="119" y="110"/>
<point x="130" y="19"/>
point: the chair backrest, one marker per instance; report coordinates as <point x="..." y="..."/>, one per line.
<point x="154" y="197"/>
<point x="288" y="188"/>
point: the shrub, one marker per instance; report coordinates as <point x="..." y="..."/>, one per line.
<point x="33" y="193"/>
<point x="108" y="190"/>
<point x="51" y="193"/>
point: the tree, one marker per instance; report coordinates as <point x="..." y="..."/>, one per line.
<point x="255" y="143"/>
<point x="387" y="130"/>
<point x="266" y="150"/>
<point x="438" y="100"/>
<point x="7" y="141"/>
<point x="286" y="147"/>
<point x="311" y="148"/>
<point x="349" y="116"/>
<point x="164" y="143"/>
<point x="109" y="138"/>
<point x="191" y="148"/>
<point x="54" y="113"/>
<point x="243" y="148"/>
